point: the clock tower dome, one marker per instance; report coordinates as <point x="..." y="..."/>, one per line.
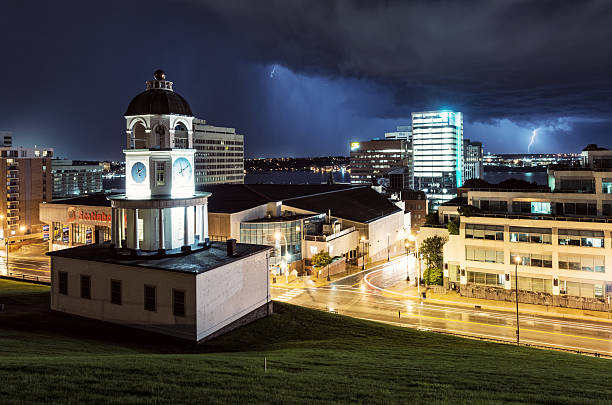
<point x="160" y="209"/>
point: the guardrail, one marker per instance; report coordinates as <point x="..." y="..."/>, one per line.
<point x="29" y="278"/>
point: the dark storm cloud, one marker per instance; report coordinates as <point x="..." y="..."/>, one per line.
<point x="492" y="59"/>
<point x="345" y="70"/>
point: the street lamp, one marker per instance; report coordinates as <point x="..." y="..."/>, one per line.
<point x="363" y="252"/>
<point x="412" y="238"/>
<point x="517" y="260"/>
<point x="407" y="262"/>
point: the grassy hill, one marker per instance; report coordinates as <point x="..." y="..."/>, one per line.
<point x="312" y="357"/>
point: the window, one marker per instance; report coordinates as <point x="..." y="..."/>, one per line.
<point x="489" y="232"/>
<point x="606" y="186"/>
<point x="533" y="259"/>
<point x="115" y="292"/>
<point x="63" y="282"/>
<point x="489" y="279"/>
<point x="85" y="287"/>
<point x="531" y="235"/>
<point x="150" y="303"/>
<point x="178" y="302"/>
<point x="479" y="254"/>
<point x="540" y="208"/>
<point x="160" y="169"/>
<point x="578" y="185"/>
<point x="572" y="237"/>
<point x="582" y="263"/>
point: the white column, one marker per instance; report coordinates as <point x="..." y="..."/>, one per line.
<point x="186" y="227"/>
<point x="204" y="224"/>
<point x="162" y="244"/>
<point x="121" y="225"/>
<point x="114" y="227"/>
<point x="136" y="241"/>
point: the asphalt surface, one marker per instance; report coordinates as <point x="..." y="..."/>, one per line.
<point x="29" y="262"/>
<point x="362" y="296"/>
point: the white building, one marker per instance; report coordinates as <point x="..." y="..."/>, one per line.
<point x="437" y="144"/>
<point x="219" y="157"/>
<point x="402" y="132"/>
<point x="160" y="272"/>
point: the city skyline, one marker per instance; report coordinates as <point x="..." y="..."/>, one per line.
<point x="298" y="83"/>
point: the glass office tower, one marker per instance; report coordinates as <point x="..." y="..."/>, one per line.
<point x="437" y="143"/>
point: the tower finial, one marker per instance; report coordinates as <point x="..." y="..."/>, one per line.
<point x="159" y="75"/>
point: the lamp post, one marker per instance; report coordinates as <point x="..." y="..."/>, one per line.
<point x="407" y="267"/>
<point x="328" y="263"/>
<point x="363" y="252"/>
<point x="517" y="260"/>
<point x="5" y="235"/>
<point x="418" y="259"/>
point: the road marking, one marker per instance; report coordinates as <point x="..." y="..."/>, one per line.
<point x="289" y="295"/>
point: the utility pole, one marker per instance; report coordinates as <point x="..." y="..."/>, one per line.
<point x="517" y="259"/>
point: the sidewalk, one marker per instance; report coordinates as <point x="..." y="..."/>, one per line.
<point x="454" y="299"/>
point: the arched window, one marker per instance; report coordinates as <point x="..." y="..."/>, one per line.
<point x="181" y="137"/>
<point x="140" y="136"/>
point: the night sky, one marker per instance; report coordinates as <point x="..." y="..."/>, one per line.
<point x="304" y="78"/>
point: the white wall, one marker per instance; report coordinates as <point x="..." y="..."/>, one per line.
<point x="229" y="292"/>
<point x="131" y="312"/>
<point x="393" y="225"/>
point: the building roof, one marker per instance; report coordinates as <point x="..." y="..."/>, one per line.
<point x="358" y="204"/>
<point x="231" y="198"/>
<point x="399" y="170"/>
<point x="193" y="263"/>
<point x="158" y="101"/>
<point x="95" y="200"/>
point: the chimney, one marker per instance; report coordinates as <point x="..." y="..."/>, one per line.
<point x="231" y="247"/>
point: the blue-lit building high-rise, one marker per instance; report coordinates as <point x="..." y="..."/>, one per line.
<point x="437" y="143"/>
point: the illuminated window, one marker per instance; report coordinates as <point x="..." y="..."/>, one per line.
<point x="160" y="170"/>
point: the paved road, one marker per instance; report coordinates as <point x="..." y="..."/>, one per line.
<point x="362" y="298"/>
<point x="29" y="260"/>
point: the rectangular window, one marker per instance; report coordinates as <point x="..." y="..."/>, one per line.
<point x="178" y="302"/>
<point x="150" y="303"/>
<point x="572" y="237"/>
<point x="160" y="170"/>
<point x="85" y="287"/>
<point x="115" y="286"/>
<point x="63" y="282"/>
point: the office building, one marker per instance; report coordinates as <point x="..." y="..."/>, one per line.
<point x="437" y="144"/>
<point x="472" y="160"/>
<point x="27" y="175"/>
<point x="402" y="132"/>
<point x="561" y="239"/>
<point x="219" y="157"/>
<point x="75" y="178"/>
<point x="160" y="272"/>
<point x="372" y="160"/>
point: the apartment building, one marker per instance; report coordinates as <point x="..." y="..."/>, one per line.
<point x="28" y="183"/>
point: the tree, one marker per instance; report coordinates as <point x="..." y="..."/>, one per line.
<point x="432" y="219"/>
<point x="432" y="250"/>
<point x="321" y="259"/>
<point x="453" y="227"/>
<point x="433" y="276"/>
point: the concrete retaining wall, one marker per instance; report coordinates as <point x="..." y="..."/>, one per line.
<point x="528" y="297"/>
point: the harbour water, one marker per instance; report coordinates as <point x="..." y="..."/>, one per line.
<point x="304" y="177"/>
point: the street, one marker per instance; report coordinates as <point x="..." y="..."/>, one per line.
<point x="27" y="262"/>
<point x="365" y="295"/>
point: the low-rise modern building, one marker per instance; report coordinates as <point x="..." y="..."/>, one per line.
<point x="75" y="178"/>
<point x="27" y="181"/>
<point x="559" y="242"/>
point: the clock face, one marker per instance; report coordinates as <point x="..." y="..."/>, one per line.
<point x="139" y="172"/>
<point x="182" y="170"/>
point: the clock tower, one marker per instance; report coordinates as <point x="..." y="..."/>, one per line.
<point x="160" y="210"/>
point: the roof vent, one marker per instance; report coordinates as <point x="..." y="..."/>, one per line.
<point x="231" y="247"/>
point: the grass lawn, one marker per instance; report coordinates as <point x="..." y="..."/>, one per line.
<point x="313" y="357"/>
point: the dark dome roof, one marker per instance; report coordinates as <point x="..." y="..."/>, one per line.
<point x="158" y="101"/>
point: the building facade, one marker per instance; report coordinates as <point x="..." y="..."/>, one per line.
<point x="27" y="175"/>
<point x="559" y="242"/>
<point x="219" y="157"/>
<point x="473" y="165"/>
<point x="437" y="144"/>
<point x="74" y="178"/>
<point x="6" y="139"/>
<point x="372" y="160"/>
<point x="402" y="132"/>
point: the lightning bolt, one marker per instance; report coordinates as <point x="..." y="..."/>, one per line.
<point x="272" y="72"/>
<point x="534" y="133"/>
